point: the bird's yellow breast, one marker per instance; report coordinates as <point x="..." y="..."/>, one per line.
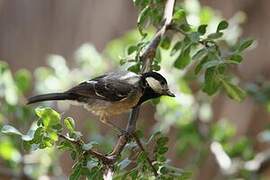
<point x="105" y="108"/>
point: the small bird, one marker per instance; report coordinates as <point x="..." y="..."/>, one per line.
<point x="113" y="93"/>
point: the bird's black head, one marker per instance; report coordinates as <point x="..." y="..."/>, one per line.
<point x="155" y="85"/>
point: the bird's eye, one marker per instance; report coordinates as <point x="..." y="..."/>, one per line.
<point x="162" y="83"/>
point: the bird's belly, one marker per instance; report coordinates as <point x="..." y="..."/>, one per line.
<point x="101" y="107"/>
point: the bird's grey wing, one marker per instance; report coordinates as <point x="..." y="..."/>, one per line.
<point x="104" y="87"/>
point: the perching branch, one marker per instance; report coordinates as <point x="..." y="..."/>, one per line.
<point x="94" y="153"/>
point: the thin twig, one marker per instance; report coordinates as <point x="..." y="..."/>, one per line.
<point x="99" y="156"/>
<point x="143" y="150"/>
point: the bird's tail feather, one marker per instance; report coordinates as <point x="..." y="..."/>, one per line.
<point x="49" y="97"/>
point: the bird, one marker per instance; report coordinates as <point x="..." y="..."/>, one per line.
<point x="112" y="93"/>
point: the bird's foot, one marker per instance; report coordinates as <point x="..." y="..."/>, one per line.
<point x="124" y="133"/>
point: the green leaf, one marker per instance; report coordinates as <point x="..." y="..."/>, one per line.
<point x="183" y="59"/>
<point x="142" y="18"/>
<point x="131" y="49"/>
<point x="38" y="135"/>
<point x="236" y="58"/>
<point x="7" y="129"/>
<point x="202" y="29"/>
<point x="76" y="135"/>
<point x="162" y="141"/>
<point x="134" y="68"/>
<point x="222" y="25"/>
<point x="176" y="47"/>
<point x="233" y="91"/>
<point x="23" y="80"/>
<point x="48" y="116"/>
<point x="165" y="43"/>
<point x="200" y="54"/>
<point x="73" y="155"/>
<point x="76" y="172"/>
<point x="179" y="15"/>
<point x="139" y="133"/>
<point x="198" y="68"/>
<point x="65" y="145"/>
<point x="163" y="150"/>
<point x="211" y="82"/>
<point x="142" y="157"/>
<point x="210" y="64"/>
<point x="215" y="35"/>
<point x="194" y="37"/>
<point x="185" y="27"/>
<point x="89" y="145"/>
<point x="3" y="67"/>
<point x="244" y="44"/>
<point x="70" y="124"/>
<point x="156" y="67"/>
<point x="53" y="136"/>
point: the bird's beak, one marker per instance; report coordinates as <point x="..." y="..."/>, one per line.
<point x="169" y="93"/>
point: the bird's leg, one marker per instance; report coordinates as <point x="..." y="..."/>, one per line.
<point x="104" y="120"/>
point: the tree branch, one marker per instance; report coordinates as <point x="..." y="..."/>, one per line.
<point x="99" y="156"/>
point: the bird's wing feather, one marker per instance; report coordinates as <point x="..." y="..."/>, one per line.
<point x="104" y="87"/>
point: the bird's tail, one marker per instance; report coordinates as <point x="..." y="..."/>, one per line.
<point x="49" y="97"/>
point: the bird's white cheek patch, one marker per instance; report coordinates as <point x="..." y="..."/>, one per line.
<point x="154" y="84"/>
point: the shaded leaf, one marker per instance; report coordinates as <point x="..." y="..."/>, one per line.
<point x="162" y="141"/>
<point x="131" y="49"/>
<point x="210" y="64"/>
<point x="163" y="150"/>
<point x="244" y="44"/>
<point x="69" y="123"/>
<point x="142" y="18"/>
<point x="183" y="59"/>
<point x="236" y="58"/>
<point x="89" y="145"/>
<point x="211" y="82"/>
<point x="194" y="37"/>
<point x="198" y="68"/>
<point x="23" y="80"/>
<point x="222" y="25"/>
<point x="7" y="129"/>
<point x="76" y="172"/>
<point x="215" y="35"/>
<point x="202" y="29"/>
<point x="134" y="68"/>
<point x="200" y="54"/>
<point x="165" y="43"/>
<point x="233" y="91"/>
<point x="176" y="47"/>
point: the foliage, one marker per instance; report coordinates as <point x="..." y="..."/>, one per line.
<point x="193" y="51"/>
